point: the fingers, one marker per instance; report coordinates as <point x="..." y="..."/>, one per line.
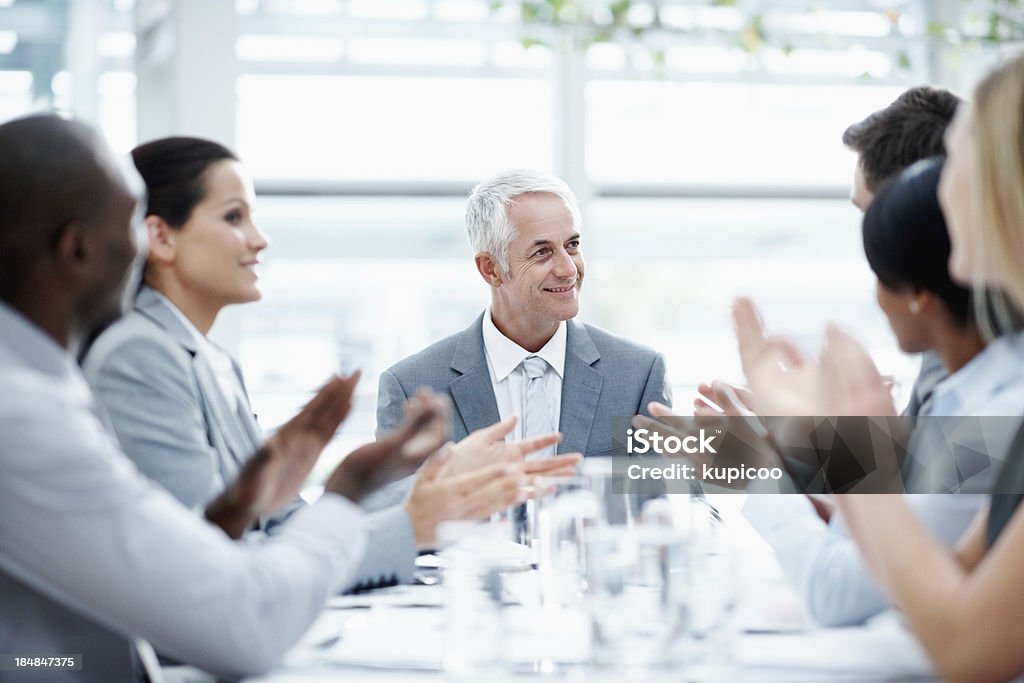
<point x="706" y="404"/>
<point x="729" y="401"/>
<point x="662" y="415"/>
<point x="667" y="423"/>
<point x="703" y="408"/>
<point x="749" y="330"/>
<point x="832" y="381"/>
<point x="659" y="409"/>
<point x="788" y="351"/>
<point x="329" y="406"/>
<point x="496" y="431"/>
<point x="423" y="443"/>
<point x="853" y="355"/>
<point x="642" y="422"/>
<point x="425" y="427"/>
<point x="320" y="418"/>
<point x="772" y="374"/>
<point x="502" y="489"/>
<point x="471" y="482"/>
<point x="850" y="369"/>
<point x="555" y="466"/>
<point x="528" y="446"/>
<point x="431" y="469"/>
<point x="747" y="397"/>
<point x="712" y="399"/>
<point x="706" y="391"/>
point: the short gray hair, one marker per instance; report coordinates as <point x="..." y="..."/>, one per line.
<point x="487" y="209"/>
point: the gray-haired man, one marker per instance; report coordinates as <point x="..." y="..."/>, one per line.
<point x="525" y="355"/>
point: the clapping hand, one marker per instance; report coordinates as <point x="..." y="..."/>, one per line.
<point x="478" y="476"/>
<point x="487" y="446"/>
<point x="843" y="381"/>
<point x="273" y="475"/>
<point x="436" y="497"/>
<point x="396" y="454"/>
<point x="719" y="399"/>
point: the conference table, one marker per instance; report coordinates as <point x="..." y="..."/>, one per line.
<point x="398" y="634"/>
<point x="378" y="639"/>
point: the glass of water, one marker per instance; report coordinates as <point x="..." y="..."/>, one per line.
<point x="716" y="589"/>
<point x="476" y="559"/>
<point x="636" y="595"/>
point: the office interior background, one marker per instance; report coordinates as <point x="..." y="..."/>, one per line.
<point x="703" y="138"/>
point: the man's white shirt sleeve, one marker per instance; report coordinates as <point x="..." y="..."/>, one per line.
<point x="80" y="524"/>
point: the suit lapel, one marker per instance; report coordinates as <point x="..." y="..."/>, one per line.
<point x="472" y="392"/>
<point x="222" y="421"/>
<point x="247" y="418"/>
<point x="151" y="305"/>
<point x="581" y="389"/>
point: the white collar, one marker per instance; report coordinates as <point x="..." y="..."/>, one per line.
<point x="505" y="355"/>
<point x="31" y="345"/>
<point x="982" y="376"/>
<point x="199" y="337"/>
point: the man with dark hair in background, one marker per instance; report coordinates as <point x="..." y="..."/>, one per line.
<point x="891" y="139"/>
<point x="886" y="142"/>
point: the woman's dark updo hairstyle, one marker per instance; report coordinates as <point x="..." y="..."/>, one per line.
<point x="173" y="170"/>
<point x="906" y="241"/>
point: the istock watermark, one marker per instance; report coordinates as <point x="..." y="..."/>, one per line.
<point x="814" y="454"/>
<point x="643" y="441"/>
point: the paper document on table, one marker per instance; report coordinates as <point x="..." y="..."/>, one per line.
<point x="883" y="646"/>
<point x="382" y="637"/>
<point x="396" y="596"/>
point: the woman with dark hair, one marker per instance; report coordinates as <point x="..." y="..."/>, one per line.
<point x="907" y="244"/>
<point x="907" y="247"/>
<point x="178" y="401"/>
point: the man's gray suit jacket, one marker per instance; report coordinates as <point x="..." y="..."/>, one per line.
<point x="171" y="418"/>
<point x="605" y="377"/>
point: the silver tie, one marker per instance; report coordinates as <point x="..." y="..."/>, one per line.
<point x="537" y="418"/>
<point x="536" y="422"/>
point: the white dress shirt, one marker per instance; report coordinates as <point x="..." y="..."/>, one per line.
<point x="822" y="562"/>
<point x="508" y="376"/>
<point x="91" y="550"/>
<point x="990" y="384"/>
<point x="218" y="359"/>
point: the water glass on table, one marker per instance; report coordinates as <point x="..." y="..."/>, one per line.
<point x="474" y="559"/>
<point x="716" y="589"/>
<point x="636" y="595"/>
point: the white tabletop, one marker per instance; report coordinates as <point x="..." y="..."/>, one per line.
<point x="375" y="638"/>
<point x="398" y="635"/>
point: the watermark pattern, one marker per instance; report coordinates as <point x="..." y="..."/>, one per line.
<point x="813" y="454"/>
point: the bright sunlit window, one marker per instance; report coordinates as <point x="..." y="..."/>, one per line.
<point x="706" y="145"/>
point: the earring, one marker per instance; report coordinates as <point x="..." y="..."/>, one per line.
<point x="915" y="307"/>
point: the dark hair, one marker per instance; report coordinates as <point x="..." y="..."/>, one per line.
<point x="53" y="172"/>
<point x="908" y="130"/>
<point x="173" y="170"/>
<point x="906" y="241"/>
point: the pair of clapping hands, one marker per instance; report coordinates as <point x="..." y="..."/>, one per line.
<point x="782" y="381"/>
<point x="471" y="479"/>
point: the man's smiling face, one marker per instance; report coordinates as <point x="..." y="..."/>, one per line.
<point x="545" y="261"/>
